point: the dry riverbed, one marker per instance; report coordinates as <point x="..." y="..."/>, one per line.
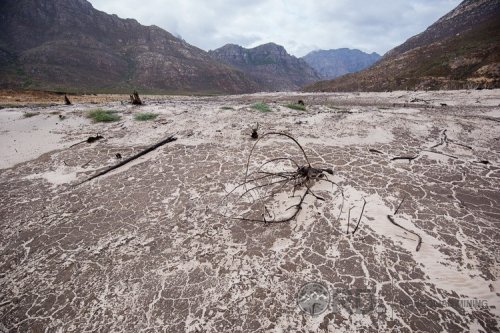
<point x="150" y="247"/>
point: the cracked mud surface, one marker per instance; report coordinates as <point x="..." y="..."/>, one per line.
<point x="145" y="248"/>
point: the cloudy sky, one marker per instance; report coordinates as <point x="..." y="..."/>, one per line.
<point x="300" y="26"/>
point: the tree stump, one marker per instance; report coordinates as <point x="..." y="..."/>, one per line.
<point x="66" y="100"/>
<point x="135" y="99"/>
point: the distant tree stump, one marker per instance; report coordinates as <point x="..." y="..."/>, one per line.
<point x="66" y="100"/>
<point x="135" y="99"/>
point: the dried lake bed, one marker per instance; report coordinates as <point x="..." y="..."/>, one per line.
<point x="150" y="247"/>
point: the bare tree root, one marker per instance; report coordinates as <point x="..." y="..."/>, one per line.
<point x="279" y="134"/>
<point x="419" y="243"/>
<point x="296" y="209"/>
<point x="261" y="184"/>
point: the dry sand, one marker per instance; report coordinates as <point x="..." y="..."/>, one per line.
<point x="148" y="247"/>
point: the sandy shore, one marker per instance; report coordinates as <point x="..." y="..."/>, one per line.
<point x="152" y="245"/>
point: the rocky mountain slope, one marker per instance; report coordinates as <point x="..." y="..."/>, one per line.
<point x="461" y="50"/>
<point x="334" y="63"/>
<point x="269" y="65"/>
<point x="68" y="45"/>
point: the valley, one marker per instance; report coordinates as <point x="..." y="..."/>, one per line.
<point x="156" y="245"/>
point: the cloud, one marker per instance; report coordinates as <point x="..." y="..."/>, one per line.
<point x="297" y="25"/>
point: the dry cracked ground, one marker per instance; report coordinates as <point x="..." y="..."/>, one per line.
<point x="155" y="245"/>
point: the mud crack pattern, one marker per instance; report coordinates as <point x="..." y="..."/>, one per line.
<point x="145" y="248"/>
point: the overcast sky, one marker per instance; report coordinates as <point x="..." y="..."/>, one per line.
<point x="300" y="26"/>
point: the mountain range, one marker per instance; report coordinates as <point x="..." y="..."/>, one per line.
<point x="334" y="63"/>
<point x="269" y="65"/>
<point x="68" y="45"/>
<point x="460" y="50"/>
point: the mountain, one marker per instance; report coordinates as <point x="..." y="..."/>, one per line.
<point x="269" y="65"/>
<point x="70" y="46"/>
<point x="460" y="50"/>
<point x="334" y="63"/>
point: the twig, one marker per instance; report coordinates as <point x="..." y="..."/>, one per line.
<point x="83" y="166"/>
<point x="439" y="153"/>
<point x="313" y="194"/>
<point x="298" y="208"/>
<point x="360" y="216"/>
<point x="444" y="140"/>
<point x="460" y="144"/>
<point x="376" y="151"/>
<point x="341" y="205"/>
<point x="397" y="209"/>
<point x="275" y="160"/>
<point x="409" y="158"/>
<point x="302" y="178"/>
<point x="419" y="244"/>
<point x="348" y="220"/>
<point x="419" y="100"/>
<point x="5" y="303"/>
<point x="274" y="133"/>
<point x="261" y="186"/>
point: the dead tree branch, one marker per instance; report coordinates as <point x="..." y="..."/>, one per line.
<point x="419" y="243"/>
<point x="130" y="159"/>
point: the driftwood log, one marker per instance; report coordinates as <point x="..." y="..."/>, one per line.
<point x="130" y="159"/>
